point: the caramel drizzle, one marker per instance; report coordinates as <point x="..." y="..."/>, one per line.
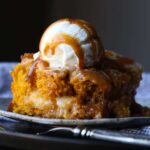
<point x="32" y="69"/>
<point x="63" y="38"/>
<point x="31" y="72"/>
<point x="125" y="60"/>
<point x="120" y="59"/>
<point x="93" y="36"/>
<point x="98" y="78"/>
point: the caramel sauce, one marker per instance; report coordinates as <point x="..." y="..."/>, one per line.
<point x="120" y="59"/>
<point x="109" y="53"/>
<point x="63" y="38"/>
<point x="125" y="60"/>
<point x="98" y="78"/>
<point x="31" y="70"/>
<point x="31" y="73"/>
<point x="91" y="35"/>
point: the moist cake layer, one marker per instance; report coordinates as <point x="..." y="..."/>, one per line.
<point x="105" y="91"/>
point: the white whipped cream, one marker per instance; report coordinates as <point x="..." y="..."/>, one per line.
<point x="65" y="56"/>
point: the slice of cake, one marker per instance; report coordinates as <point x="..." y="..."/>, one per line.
<point x="73" y="77"/>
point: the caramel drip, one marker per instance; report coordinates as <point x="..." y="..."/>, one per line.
<point x="109" y="53"/>
<point x="125" y="60"/>
<point x="63" y="38"/>
<point x="98" y="78"/>
<point x="31" y="73"/>
<point x="92" y="35"/>
<point x="92" y="38"/>
<point x="120" y="59"/>
<point x="32" y="69"/>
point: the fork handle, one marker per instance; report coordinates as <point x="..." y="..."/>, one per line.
<point x="112" y="136"/>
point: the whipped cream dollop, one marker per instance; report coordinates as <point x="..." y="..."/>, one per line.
<point x="70" y="44"/>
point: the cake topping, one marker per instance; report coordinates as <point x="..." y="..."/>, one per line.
<point x="123" y="61"/>
<point x="70" y="44"/>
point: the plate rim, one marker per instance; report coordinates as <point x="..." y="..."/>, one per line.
<point x="73" y="122"/>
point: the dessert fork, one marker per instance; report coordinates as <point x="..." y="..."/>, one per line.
<point x="100" y="134"/>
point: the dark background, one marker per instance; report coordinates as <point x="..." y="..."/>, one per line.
<point x="124" y="25"/>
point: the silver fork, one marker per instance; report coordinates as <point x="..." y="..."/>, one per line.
<point x="99" y="134"/>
